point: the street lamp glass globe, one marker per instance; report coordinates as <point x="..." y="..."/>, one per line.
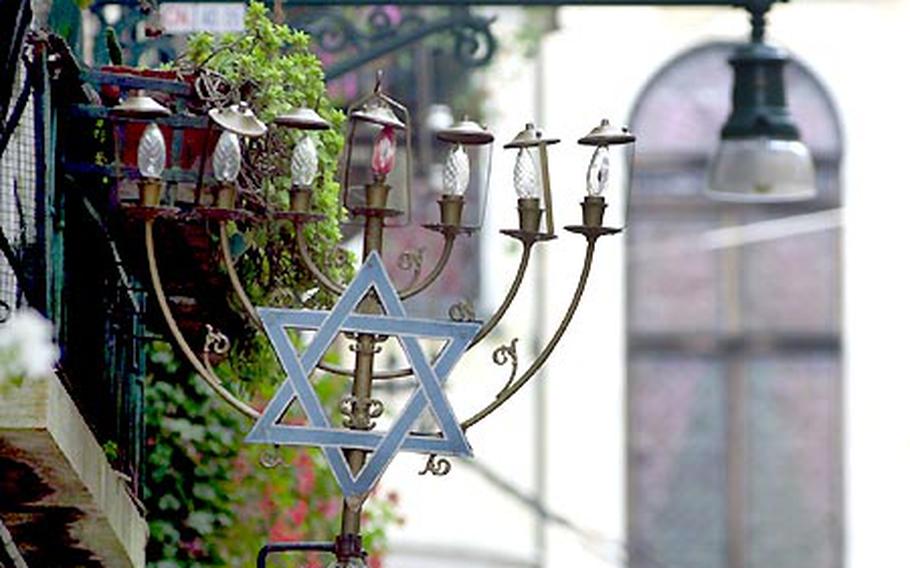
<point x="762" y="170"/>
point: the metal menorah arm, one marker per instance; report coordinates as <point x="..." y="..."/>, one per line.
<point x="515" y="385"/>
<point x="434" y="274"/>
<point x="304" y="252"/>
<point x="199" y="366"/>
<point x="500" y="312"/>
<point x="528" y="243"/>
<point x="233" y="276"/>
<point x="528" y="240"/>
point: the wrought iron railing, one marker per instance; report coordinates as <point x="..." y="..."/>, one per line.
<point x="59" y="259"/>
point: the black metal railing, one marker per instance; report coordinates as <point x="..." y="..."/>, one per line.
<point x="57" y="257"/>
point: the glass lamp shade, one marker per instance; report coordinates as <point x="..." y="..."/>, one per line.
<point x="524" y="176"/>
<point x="608" y="142"/>
<point x="761" y="170"/>
<point x="466" y="170"/>
<point x="456" y="174"/>
<point x="152" y="153"/>
<point x="304" y="162"/>
<point x="226" y="159"/>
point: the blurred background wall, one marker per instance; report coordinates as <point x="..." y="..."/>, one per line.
<point x="731" y="392"/>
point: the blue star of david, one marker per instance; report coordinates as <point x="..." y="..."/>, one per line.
<point x="298" y="368"/>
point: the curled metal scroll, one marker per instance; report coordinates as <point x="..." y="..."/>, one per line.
<point x="507" y="354"/>
<point x="437" y="466"/>
<point x="356" y="347"/>
<point x="475" y="44"/>
<point x="384" y="32"/>
<point x="412" y="261"/>
<point x="529" y="373"/>
<point x="270" y="458"/>
<point x="334" y="33"/>
<point x="201" y="366"/>
<point x="215" y="341"/>
<point x="462" y="311"/>
<point x="303" y="252"/>
<point x="360" y="415"/>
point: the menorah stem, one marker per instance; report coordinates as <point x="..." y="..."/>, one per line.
<point x="361" y="391"/>
<point x="363" y="366"/>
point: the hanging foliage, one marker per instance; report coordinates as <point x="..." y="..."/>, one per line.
<point x="211" y="502"/>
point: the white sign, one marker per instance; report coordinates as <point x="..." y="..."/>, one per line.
<point x="188" y="17"/>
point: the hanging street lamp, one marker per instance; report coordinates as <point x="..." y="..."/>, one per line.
<point x="761" y="158"/>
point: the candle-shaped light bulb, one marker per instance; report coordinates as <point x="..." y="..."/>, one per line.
<point x="226" y="161"/>
<point x="524" y="176"/>
<point x="599" y="172"/>
<point x="304" y="162"/>
<point x="152" y="152"/>
<point x="457" y="172"/>
<point x="384" y="152"/>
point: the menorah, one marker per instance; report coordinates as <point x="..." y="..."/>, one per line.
<point x="369" y="310"/>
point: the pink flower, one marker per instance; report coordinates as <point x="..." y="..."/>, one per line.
<point x="193" y="548"/>
<point x="299" y="512"/>
<point x="329" y="508"/>
<point x="281" y="532"/>
<point x="306" y="479"/>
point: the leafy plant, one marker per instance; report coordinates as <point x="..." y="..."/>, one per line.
<point x="210" y="501"/>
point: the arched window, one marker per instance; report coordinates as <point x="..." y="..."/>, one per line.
<point x="734" y="343"/>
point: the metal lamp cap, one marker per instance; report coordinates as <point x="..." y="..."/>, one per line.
<point x="466" y="132"/>
<point x="140" y="106"/>
<point x="529" y="138"/>
<point x="238" y="119"/>
<point x="378" y="112"/>
<point x="759" y="95"/>
<point x="605" y="134"/>
<point x="302" y="118"/>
